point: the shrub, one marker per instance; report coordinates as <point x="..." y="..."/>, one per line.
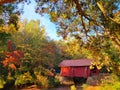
<point x="53" y="82"/>
<point x="111" y="83"/>
<point x="115" y="86"/>
<point x="24" y="79"/>
<point x="88" y="87"/>
<point x="42" y="80"/>
<point x="72" y="87"/>
<point x="2" y="83"/>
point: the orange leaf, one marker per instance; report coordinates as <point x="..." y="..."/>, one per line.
<point x="12" y="66"/>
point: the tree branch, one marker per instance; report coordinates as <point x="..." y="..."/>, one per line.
<point x="81" y="12"/>
<point x="99" y="4"/>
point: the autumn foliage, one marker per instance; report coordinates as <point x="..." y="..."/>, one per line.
<point x="6" y="1"/>
<point x="12" y="58"/>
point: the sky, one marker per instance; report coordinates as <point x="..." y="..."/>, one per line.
<point x="29" y="14"/>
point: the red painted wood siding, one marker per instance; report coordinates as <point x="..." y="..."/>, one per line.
<point x="65" y="71"/>
<point x="75" y="71"/>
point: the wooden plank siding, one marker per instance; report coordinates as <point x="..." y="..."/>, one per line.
<point x="75" y="71"/>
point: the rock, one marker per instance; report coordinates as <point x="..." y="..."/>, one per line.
<point x="94" y="80"/>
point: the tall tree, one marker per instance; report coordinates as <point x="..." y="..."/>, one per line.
<point x="29" y="39"/>
<point x="81" y="18"/>
<point x="90" y="21"/>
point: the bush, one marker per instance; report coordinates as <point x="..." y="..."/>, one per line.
<point x="2" y="83"/>
<point x="89" y="87"/>
<point x="42" y="80"/>
<point x="56" y="82"/>
<point x="111" y="83"/>
<point x="23" y="79"/>
<point x="115" y="86"/>
<point x="53" y="82"/>
<point x="72" y="87"/>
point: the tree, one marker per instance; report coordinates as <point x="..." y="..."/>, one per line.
<point x="29" y="39"/>
<point x="94" y="23"/>
<point x="39" y="53"/>
<point x="90" y="21"/>
<point x="80" y="19"/>
<point x="74" y="49"/>
<point x="6" y="1"/>
<point x="8" y="22"/>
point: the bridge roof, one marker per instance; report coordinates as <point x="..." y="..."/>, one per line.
<point x="78" y="62"/>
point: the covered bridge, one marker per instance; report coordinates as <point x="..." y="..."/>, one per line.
<point x="77" y="68"/>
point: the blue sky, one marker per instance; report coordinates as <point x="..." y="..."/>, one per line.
<point x="29" y="14"/>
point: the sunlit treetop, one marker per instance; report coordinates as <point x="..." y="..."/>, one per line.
<point x="83" y="18"/>
<point x="10" y="12"/>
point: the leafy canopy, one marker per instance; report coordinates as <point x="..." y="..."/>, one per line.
<point x="84" y="18"/>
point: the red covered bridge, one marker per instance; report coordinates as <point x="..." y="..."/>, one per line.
<point x="77" y="68"/>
